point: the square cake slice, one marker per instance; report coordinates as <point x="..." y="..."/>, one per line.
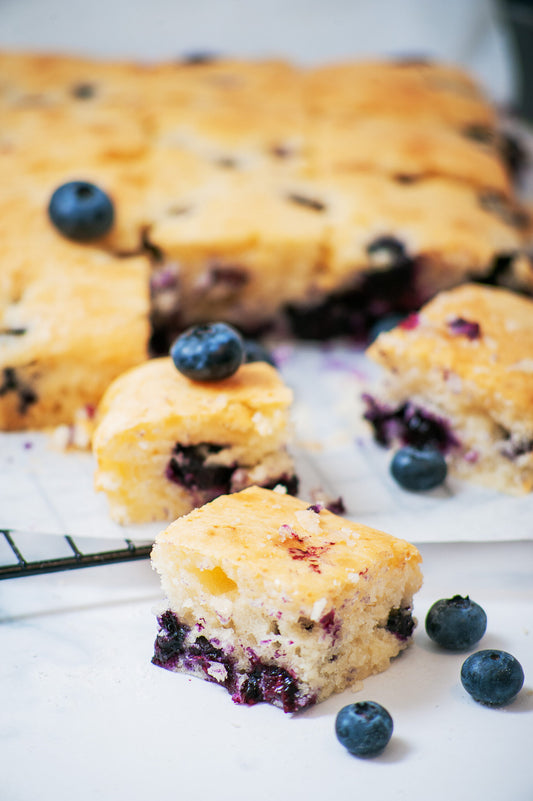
<point x="165" y="444"/>
<point x="281" y="601"/>
<point x="460" y="378"/>
<point x="71" y="320"/>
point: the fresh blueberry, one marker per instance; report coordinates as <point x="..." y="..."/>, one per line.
<point x="418" y="470"/>
<point x="364" y="728"/>
<point x="254" y="352"/>
<point x="81" y="211"/>
<point x="492" y="677"/>
<point x="456" y="623"/>
<point x="208" y="352"/>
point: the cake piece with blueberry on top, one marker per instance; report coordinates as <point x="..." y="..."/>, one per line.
<point x="178" y="431"/>
<point x="459" y="380"/>
<point x="280" y="601"/>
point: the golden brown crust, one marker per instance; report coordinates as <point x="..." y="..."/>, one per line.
<point x="157" y="394"/>
<point x="275" y="538"/>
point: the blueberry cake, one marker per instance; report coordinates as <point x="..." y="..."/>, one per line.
<point x="280" y="601"/>
<point x="459" y="378"/>
<point x="71" y="320"/>
<point x="312" y="201"/>
<point x="185" y="442"/>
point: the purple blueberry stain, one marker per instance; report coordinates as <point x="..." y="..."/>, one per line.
<point x="329" y="624"/>
<point x="163" y="279"/>
<point x="409" y="425"/>
<point x="467" y="328"/>
<point x="310" y="554"/>
<point x="401" y="623"/>
<point x="272" y="684"/>
<point x="411" y="322"/>
<point x="188" y="467"/>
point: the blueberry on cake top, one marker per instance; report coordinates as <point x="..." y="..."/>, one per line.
<point x="279" y="601"/>
<point x="184" y="442"/>
<point x="459" y="378"/>
<point x="208" y="352"/>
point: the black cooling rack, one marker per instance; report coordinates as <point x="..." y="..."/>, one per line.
<point x="63" y="553"/>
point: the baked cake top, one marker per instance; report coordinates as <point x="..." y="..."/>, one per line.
<point x="260" y="538"/>
<point x="156" y="394"/>
<point x="481" y="335"/>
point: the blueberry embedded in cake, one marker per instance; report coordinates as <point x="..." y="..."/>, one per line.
<point x="279" y="601"/>
<point x="165" y="444"/>
<point x="459" y="379"/>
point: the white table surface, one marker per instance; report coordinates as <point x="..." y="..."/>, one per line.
<point x="85" y="714"/>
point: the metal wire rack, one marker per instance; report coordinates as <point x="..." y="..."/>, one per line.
<point x="64" y="553"/>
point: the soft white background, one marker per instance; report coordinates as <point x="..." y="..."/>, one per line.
<point x="470" y="32"/>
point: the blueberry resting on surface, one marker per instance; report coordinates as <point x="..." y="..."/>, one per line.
<point x="492" y="677"/>
<point x="364" y="728"/>
<point x="254" y="352"/>
<point x="456" y="623"/>
<point x="208" y="352"/>
<point x="418" y="470"/>
<point x="81" y="211"/>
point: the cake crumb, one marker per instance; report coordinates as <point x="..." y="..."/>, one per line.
<point x="318" y="609"/>
<point x="309" y="520"/>
<point x="285" y="532"/>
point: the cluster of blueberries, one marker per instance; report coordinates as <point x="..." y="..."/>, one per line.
<point x="491" y="677"/>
